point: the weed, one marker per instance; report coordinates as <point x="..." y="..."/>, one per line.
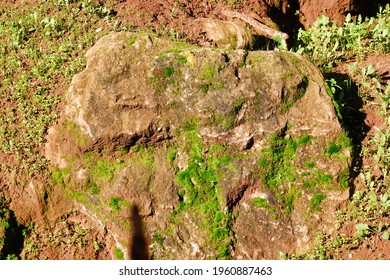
<point x="244" y="57"/>
<point x="327" y="43"/>
<point x="95" y="189"/>
<point x="132" y="41"/>
<point x="238" y="105"/>
<point x="34" y="70"/>
<point x="100" y="169"/>
<point x="78" y="196"/>
<point x="310" y="183"/>
<point x="119" y="254"/>
<point x="362" y="230"/>
<point x="12" y="257"/>
<point x="343" y="179"/>
<point x="323" y="177"/>
<point x="281" y="43"/>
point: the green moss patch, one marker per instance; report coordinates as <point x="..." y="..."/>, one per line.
<point x="200" y="194"/>
<point x="286" y="175"/>
<point x="262" y="203"/>
<point x="316" y="201"/>
<point x="116" y="204"/>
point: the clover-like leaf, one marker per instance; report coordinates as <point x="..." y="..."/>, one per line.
<point x="373" y="197"/>
<point x="362" y="227"/>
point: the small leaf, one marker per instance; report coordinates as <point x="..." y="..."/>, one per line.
<point x="370" y="70"/>
<point x="348" y="18"/>
<point x="385" y="197"/>
<point x="353" y="67"/>
<point x="373" y="196"/>
<point x="359" y="233"/>
<point x="385" y="235"/>
<point x="362" y="227"/>
<point x="380" y="226"/>
<point x="336" y="45"/>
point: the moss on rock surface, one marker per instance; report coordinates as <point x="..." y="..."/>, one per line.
<point x="228" y="154"/>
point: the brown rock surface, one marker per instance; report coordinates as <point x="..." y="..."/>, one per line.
<point x="184" y="132"/>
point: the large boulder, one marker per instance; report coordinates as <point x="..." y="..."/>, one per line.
<point x="228" y="154"/>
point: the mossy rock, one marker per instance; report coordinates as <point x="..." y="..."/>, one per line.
<point x="194" y="136"/>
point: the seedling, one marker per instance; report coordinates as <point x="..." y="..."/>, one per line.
<point x="362" y="230"/>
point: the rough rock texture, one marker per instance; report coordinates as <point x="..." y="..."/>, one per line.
<point x="225" y="34"/>
<point x="228" y="154"/>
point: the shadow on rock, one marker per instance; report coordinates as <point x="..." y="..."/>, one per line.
<point x="353" y="119"/>
<point x="138" y="243"/>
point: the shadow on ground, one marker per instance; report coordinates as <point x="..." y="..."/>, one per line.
<point x="14" y="238"/>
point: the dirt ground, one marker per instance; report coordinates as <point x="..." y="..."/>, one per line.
<point x="178" y="16"/>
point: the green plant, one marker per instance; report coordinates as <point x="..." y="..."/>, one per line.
<point x="12" y="257"/>
<point x="226" y="122"/>
<point x="119" y="254"/>
<point x="332" y="88"/>
<point x="281" y="43"/>
<point x="362" y="230"/>
<point x="327" y="43"/>
<point x="380" y="32"/>
<point x="289" y="199"/>
<point x="60" y="175"/>
<point x="42" y="48"/>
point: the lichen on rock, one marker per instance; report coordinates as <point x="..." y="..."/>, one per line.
<point x="224" y="152"/>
